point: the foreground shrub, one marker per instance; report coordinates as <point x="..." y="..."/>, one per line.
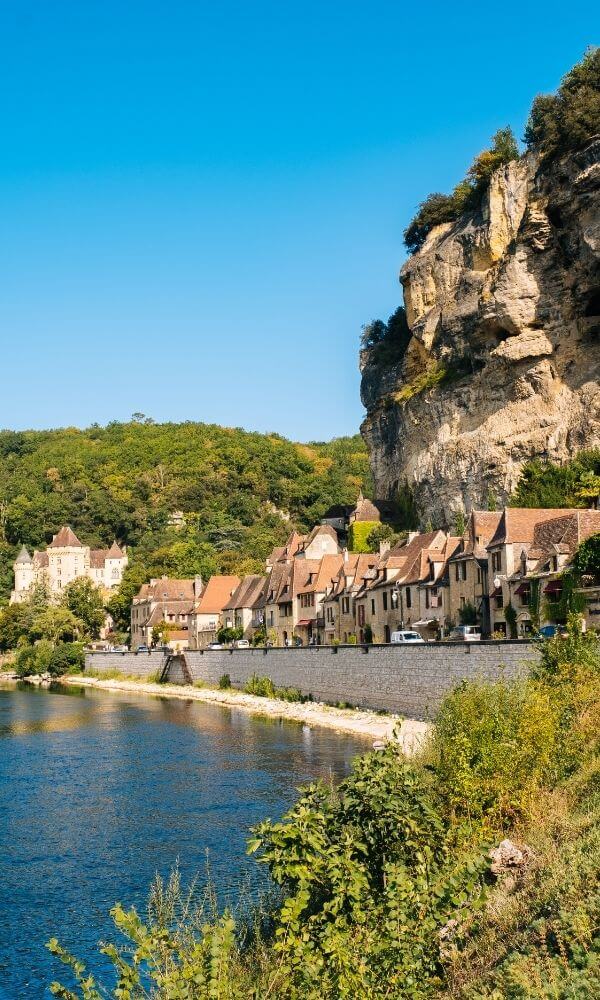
<point x="224" y="682"/>
<point x="369" y="883"/>
<point x="493" y="745"/>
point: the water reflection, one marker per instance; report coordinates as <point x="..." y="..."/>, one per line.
<point x="99" y="791"/>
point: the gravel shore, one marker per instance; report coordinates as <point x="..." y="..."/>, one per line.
<point x="377" y="728"/>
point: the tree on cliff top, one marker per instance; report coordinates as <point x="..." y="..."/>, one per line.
<point x="569" y="118"/>
<point x="438" y="208"/>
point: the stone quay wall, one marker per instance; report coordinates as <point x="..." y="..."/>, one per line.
<point x="134" y="664"/>
<point x="410" y="680"/>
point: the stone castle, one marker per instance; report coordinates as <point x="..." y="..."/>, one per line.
<point x="64" y="560"/>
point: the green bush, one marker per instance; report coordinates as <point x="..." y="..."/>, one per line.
<point x="493" y="746"/>
<point x="262" y="687"/>
<point x="386" y="342"/>
<point x="570" y="118"/>
<point x="358" y="535"/>
<point x="224" y="682"/>
<point x="440" y="208"/>
<point x="587" y="558"/>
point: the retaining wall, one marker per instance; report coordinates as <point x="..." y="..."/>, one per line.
<point x="411" y="680"/>
<point x="136" y="664"/>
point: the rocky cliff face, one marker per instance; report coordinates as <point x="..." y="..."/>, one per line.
<point x="503" y="364"/>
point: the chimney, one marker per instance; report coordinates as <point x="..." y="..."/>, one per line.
<point x="411" y="535"/>
<point x="345" y="553"/>
<point x="197" y="585"/>
<point x="384" y="546"/>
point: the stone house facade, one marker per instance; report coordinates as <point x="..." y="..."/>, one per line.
<point x="207" y="610"/>
<point x="164" y="600"/>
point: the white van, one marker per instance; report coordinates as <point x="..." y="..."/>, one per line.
<point x="399" y="637"/>
<point x="466" y="633"/>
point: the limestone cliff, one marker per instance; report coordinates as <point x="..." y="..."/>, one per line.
<point x="503" y="364"/>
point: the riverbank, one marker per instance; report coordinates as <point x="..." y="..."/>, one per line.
<point x="355" y="721"/>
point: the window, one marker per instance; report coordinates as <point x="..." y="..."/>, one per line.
<point x="499" y="600"/>
<point x="346" y="605"/>
<point x="385" y="600"/>
<point x="361" y="614"/>
<point x="408" y="598"/>
<point x="373" y="606"/>
<point x="478" y="574"/>
<point x="496" y="561"/>
<point x="426" y="598"/>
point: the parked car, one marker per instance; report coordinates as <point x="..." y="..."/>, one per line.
<point x="549" y="631"/>
<point x="142" y="649"/>
<point x="242" y="644"/>
<point x="215" y="645"/>
<point x="466" y="633"/>
<point x="121" y="649"/>
<point x="403" y="636"/>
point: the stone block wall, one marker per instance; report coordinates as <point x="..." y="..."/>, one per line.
<point x="136" y="664"/>
<point x="411" y="680"/>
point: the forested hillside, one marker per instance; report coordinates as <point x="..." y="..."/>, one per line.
<point x="240" y="492"/>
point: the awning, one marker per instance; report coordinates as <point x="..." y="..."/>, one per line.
<point x="305" y="622"/>
<point x="497" y="592"/>
<point x="425" y="621"/>
<point x="553" y="587"/>
<point x="523" y="588"/>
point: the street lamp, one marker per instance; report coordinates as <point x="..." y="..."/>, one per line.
<point x="397" y="593"/>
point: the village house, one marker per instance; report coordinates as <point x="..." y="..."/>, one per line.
<point x="206" y="613"/>
<point x="341" y="516"/>
<point x="338" y="603"/>
<point x="167" y="601"/>
<point x="64" y="560"/>
<point x="245" y="608"/>
<point x="292" y="603"/>
<point x="535" y="588"/>
<point x="408" y="588"/>
<point x="468" y="572"/>
<point x="513" y="536"/>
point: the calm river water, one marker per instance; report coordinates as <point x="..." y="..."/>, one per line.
<point x="100" y="791"/>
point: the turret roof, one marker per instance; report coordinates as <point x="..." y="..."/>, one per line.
<point x="66" y="538"/>
<point x="23" y="556"/>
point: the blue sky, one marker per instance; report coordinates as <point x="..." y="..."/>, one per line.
<point x="201" y="203"/>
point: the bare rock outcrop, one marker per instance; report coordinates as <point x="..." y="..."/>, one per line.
<point x="503" y="364"/>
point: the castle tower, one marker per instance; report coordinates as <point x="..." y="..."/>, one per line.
<point x="67" y="559"/>
<point x="24" y="575"/>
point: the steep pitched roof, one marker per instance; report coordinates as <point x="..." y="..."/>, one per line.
<point x="166" y="589"/>
<point x="246" y="595"/>
<point x="481" y="528"/>
<point x="216" y="594"/>
<point x="65" y="538"/>
<point x="517" y="524"/>
<point x="319" y="580"/>
<point x="319" y="529"/>
<point x="98" y="558"/>
<point x="115" y="552"/>
<point x="365" y="510"/>
<point x="23" y="556"/>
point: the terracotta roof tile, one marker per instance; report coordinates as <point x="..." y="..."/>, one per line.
<point x="216" y="594"/>
<point x="65" y="538"/>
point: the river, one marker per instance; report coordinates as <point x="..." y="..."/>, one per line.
<point x="99" y="791"/>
